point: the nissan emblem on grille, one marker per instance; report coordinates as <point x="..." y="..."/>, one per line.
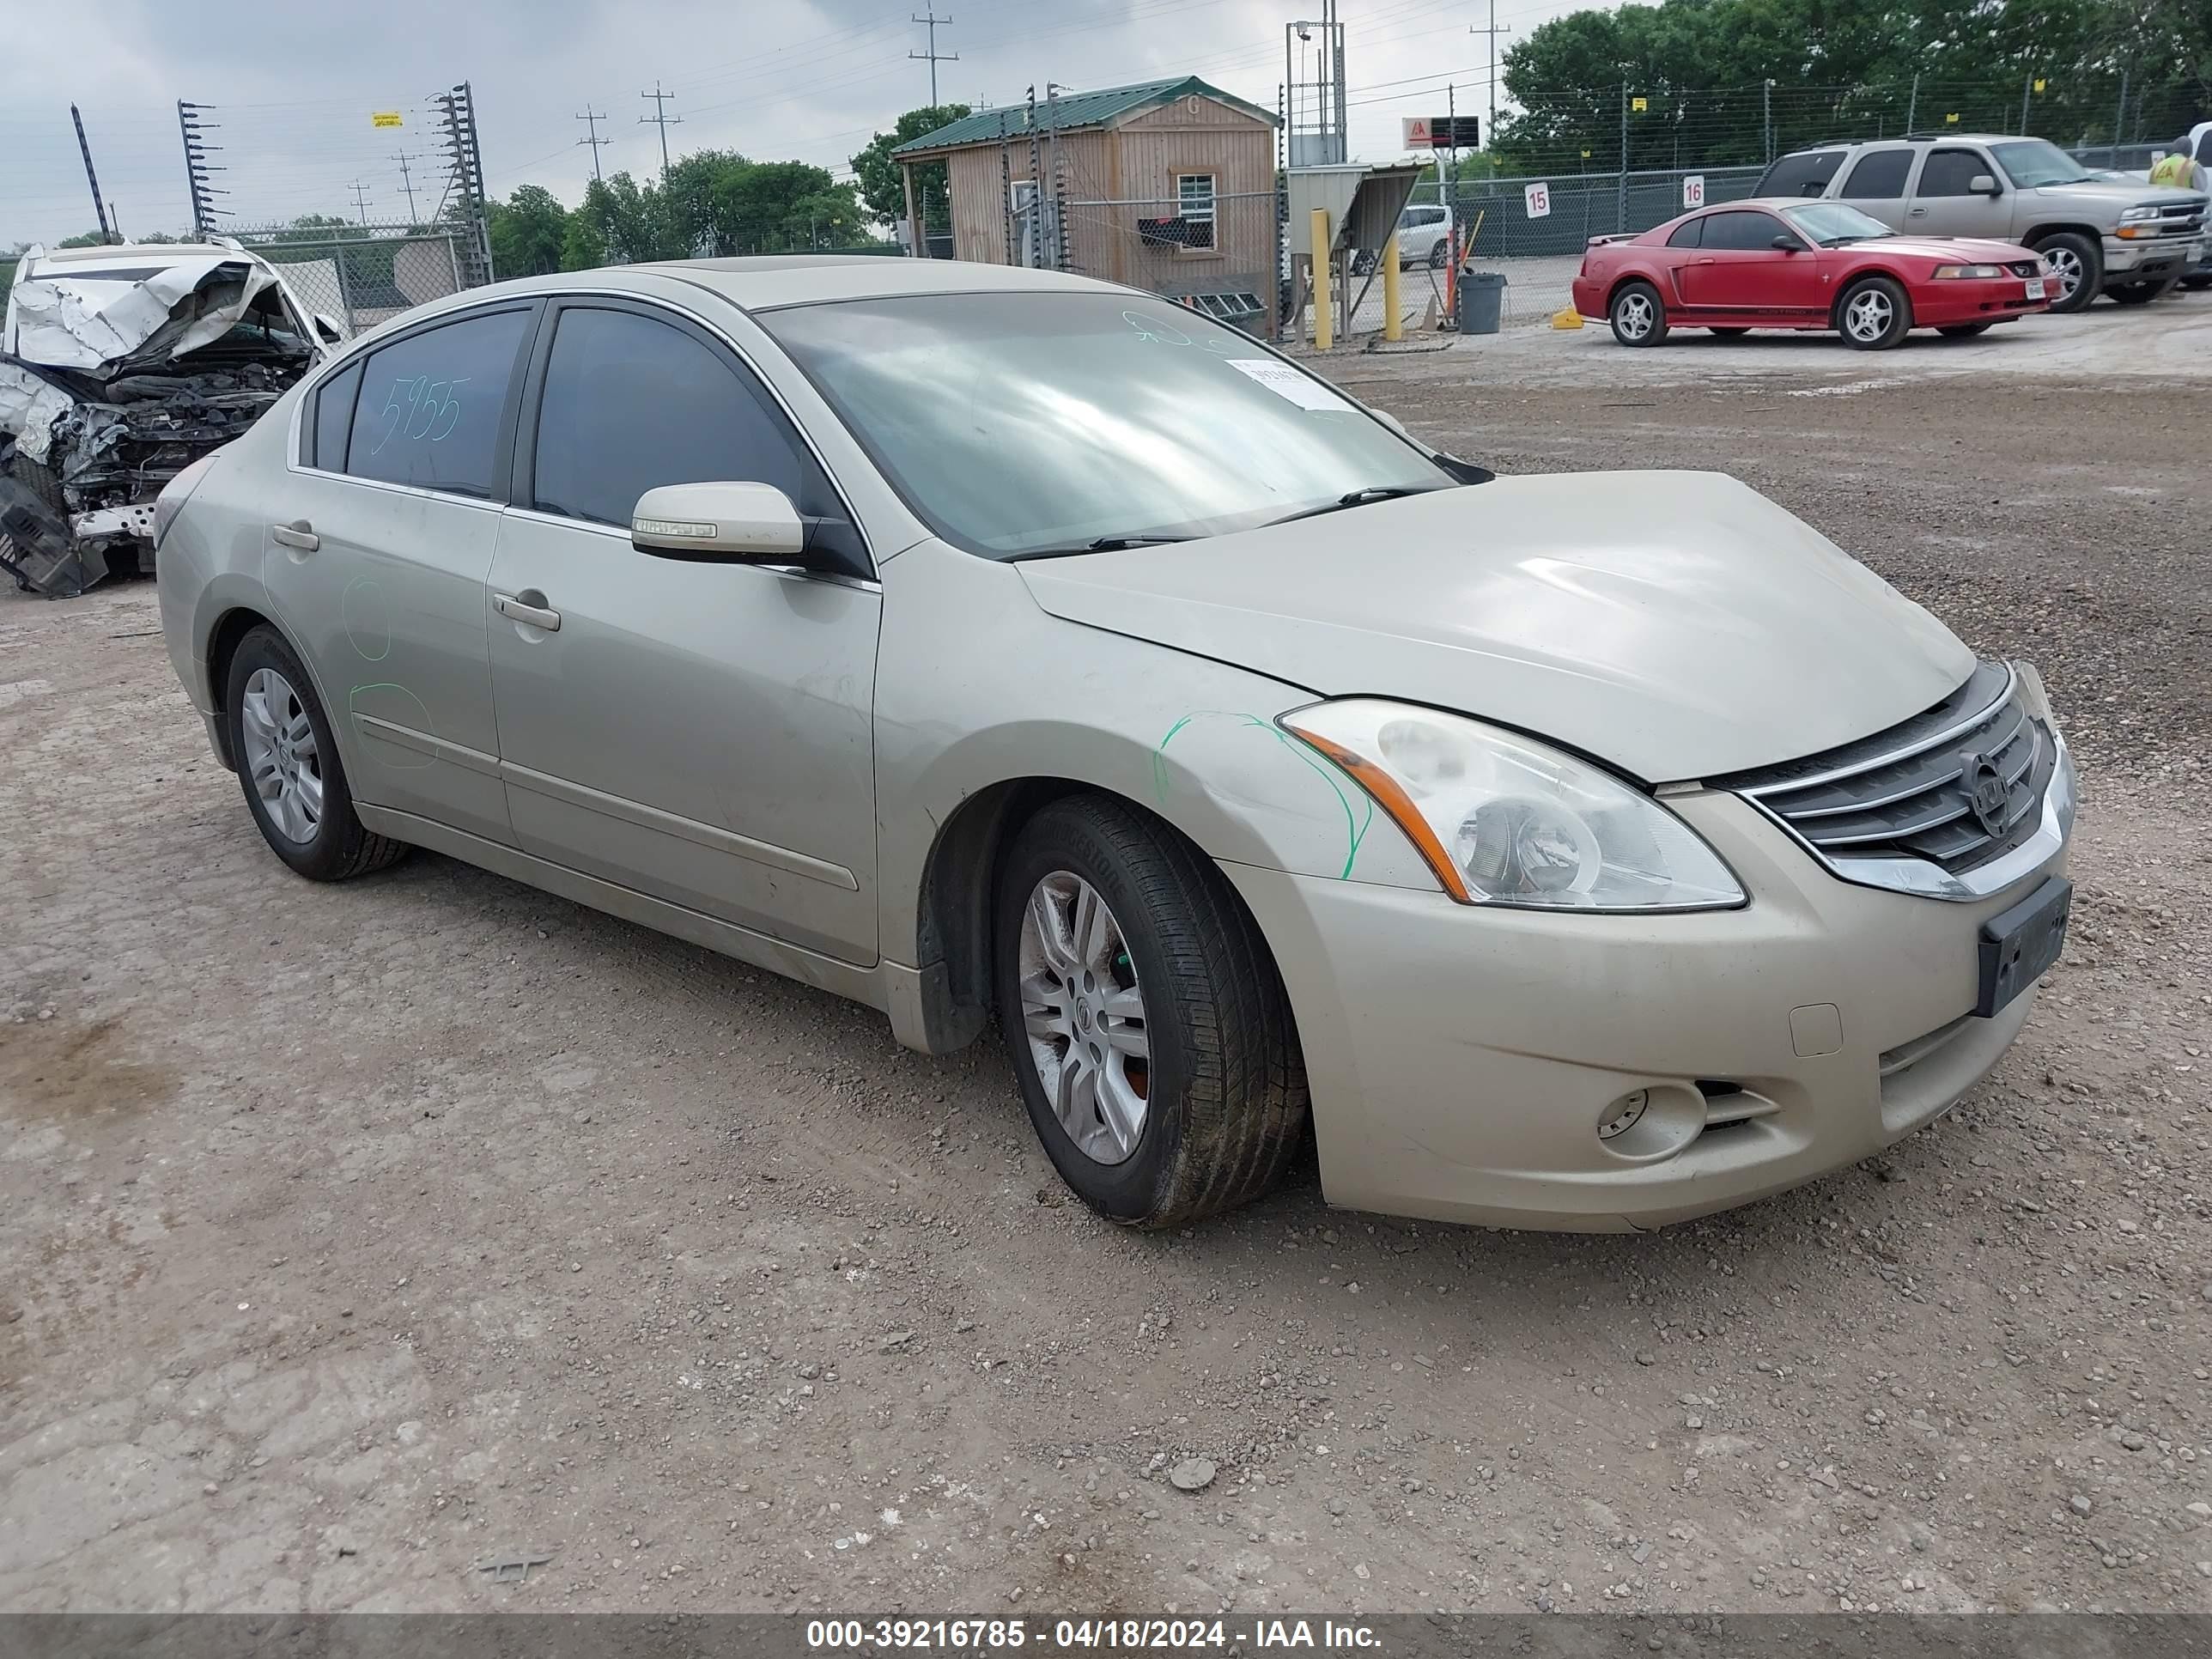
<point x="1986" y="792"/>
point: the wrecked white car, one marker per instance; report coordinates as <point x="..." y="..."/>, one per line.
<point x="120" y="366"/>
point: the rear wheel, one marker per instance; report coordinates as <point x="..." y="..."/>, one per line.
<point x="288" y="766"/>
<point x="1439" y="255"/>
<point x="1146" y="1022"/>
<point x="1873" y="314"/>
<point x="1638" y="315"/>
<point x="1962" y="331"/>
<point x="2141" y="294"/>
<point x="2076" y="262"/>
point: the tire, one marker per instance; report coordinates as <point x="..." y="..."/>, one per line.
<point x="1873" y="315"/>
<point x="2193" y="284"/>
<point x="2141" y="294"/>
<point x="1439" y="256"/>
<point x="333" y="846"/>
<point x="2077" y="261"/>
<point x="1964" y="331"/>
<point x="1727" y="334"/>
<point x="1637" y="314"/>
<point x="1219" y="1096"/>
<point x="39" y="480"/>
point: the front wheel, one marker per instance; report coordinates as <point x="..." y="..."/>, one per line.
<point x="2076" y="262"/>
<point x="1439" y="256"/>
<point x="1638" y="315"/>
<point x="288" y="762"/>
<point x="1873" y="314"/>
<point x="1964" y="331"/>
<point x="1148" y="1026"/>
<point x="2141" y="294"/>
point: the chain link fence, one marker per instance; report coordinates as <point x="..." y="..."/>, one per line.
<point x="359" y="277"/>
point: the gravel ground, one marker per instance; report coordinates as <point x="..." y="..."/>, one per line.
<point x="360" y="1237"/>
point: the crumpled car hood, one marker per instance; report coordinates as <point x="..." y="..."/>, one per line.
<point x="131" y="313"/>
<point x="1678" y="625"/>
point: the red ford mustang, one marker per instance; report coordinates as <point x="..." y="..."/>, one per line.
<point x="1802" y="264"/>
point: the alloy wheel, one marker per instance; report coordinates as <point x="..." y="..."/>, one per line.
<point x="1083" y="1017"/>
<point x="281" y="760"/>
<point x="1869" y="315"/>
<point x="2065" y="264"/>
<point x="1635" y="316"/>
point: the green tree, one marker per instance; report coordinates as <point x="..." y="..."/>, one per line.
<point x="84" y="238"/>
<point x="582" y="247"/>
<point x="529" y="233"/>
<point x="881" y="187"/>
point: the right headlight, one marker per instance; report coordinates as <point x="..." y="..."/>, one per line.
<point x="1503" y="820"/>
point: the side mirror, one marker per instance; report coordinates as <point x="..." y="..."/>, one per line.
<point x="1788" y="243"/>
<point x="732" y="523"/>
<point x="1983" y="185"/>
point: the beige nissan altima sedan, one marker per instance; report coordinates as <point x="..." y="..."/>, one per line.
<point x="1589" y="851"/>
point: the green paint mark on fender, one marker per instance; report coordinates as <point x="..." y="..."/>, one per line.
<point x="1356" y="823"/>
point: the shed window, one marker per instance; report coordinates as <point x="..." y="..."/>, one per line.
<point x="1195" y="209"/>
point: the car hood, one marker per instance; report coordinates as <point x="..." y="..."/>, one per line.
<point x="1678" y="625"/>
<point x="137" y="306"/>
<point x="1960" y="250"/>
<point x="2116" y="193"/>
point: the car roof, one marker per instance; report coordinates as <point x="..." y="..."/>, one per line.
<point x="1908" y="138"/>
<point x="766" y="282"/>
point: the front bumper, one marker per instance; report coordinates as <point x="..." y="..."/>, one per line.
<point x="1462" y="1059"/>
<point x="1941" y="305"/>
<point x="2147" y="260"/>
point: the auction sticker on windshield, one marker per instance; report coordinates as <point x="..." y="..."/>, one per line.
<point x="1286" y="382"/>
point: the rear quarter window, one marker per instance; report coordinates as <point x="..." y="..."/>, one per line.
<point x="334" y="419"/>
<point x="1805" y="173"/>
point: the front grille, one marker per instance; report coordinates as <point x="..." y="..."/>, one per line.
<point x="2181" y="218"/>
<point x="1910" y="791"/>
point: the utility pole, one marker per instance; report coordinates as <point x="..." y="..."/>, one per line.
<point x="660" y="117"/>
<point x="935" y="57"/>
<point x="1493" y="31"/>
<point x="1765" y="120"/>
<point x="1033" y="232"/>
<point x="360" y="201"/>
<point x="407" y="182"/>
<point x="99" y="207"/>
<point x="590" y="119"/>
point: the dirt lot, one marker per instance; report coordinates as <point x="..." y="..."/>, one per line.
<point x="358" y="1235"/>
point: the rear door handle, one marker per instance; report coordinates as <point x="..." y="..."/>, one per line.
<point x="537" y="615"/>
<point x="299" y="533"/>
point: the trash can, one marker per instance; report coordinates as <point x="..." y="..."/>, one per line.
<point x="1479" y="295"/>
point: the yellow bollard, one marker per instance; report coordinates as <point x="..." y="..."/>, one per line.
<point x="1324" y="332"/>
<point x="1393" y="327"/>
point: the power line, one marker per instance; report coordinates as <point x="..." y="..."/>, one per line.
<point x="407" y="183"/>
<point x="934" y="56"/>
<point x="590" y="119"/>
<point x="359" y="199"/>
<point x="1493" y="31"/>
<point x="660" y="117"/>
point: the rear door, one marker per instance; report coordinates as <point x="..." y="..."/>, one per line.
<point x="1737" y="268"/>
<point x="377" y="551"/>
<point x="698" y="732"/>
<point x="1944" y="203"/>
<point x="1875" y="182"/>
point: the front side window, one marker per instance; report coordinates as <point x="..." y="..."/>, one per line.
<point x="632" y="404"/>
<point x="1015" y="423"/>
<point x="1950" y="172"/>
<point x="2033" y="163"/>
<point x="431" y="406"/>
<point x="1879" y="176"/>
<point x="1194" y="208"/>
<point x="1742" y="233"/>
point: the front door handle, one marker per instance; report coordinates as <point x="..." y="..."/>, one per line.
<point x="537" y="615"/>
<point x="1918" y="213"/>
<point x="299" y="533"/>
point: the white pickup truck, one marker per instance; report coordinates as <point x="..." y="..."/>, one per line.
<point x="2198" y="272"/>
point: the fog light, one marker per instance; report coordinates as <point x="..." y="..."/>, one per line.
<point x="1623" y="1117"/>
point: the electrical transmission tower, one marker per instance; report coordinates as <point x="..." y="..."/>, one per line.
<point x="660" y="117"/>
<point x="465" y="179"/>
<point x="590" y="119"/>
<point x="934" y="56"/>
<point x="198" y="180"/>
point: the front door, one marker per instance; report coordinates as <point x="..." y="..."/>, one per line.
<point x="378" y="545"/>
<point x="698" y="732"/>
<point x="1943" y="204"/>
<point x="1738" y="269"/>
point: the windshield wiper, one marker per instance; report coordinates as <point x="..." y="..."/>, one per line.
<point x="1359" y="498"/>
<point x="1102" y="544"/>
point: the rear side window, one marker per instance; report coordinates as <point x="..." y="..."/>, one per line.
<point x="334" y="402"/>
<point x="1803" y="174"/>
<point x="1741" y="233"/>
<point x="631" y="404"/>
<point x="1879" y="177"/>
<point x="2205" y="146"/>
<point x="431" y="405"/>
<point x="1686" y="233"/>
<point x="1948" y="171"/>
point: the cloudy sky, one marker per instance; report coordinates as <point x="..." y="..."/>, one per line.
<point x="295" y="86"/>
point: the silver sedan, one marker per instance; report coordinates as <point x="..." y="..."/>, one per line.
<point x="981" y="644"/>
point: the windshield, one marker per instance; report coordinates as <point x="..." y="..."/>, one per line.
<point x="2032" y="163"/>
<point x="1025" y="423"/>
<point x="1832" y="224"/>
